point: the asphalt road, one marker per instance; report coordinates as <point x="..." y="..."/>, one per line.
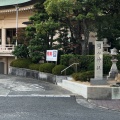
<point x="49" y="108"/>
<point x="30" y="99"/>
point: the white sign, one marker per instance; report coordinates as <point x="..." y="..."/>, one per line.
<point x="51" y="55"/>
<point x="98" y="59"/>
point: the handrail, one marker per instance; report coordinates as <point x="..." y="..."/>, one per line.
<point x="68" y="67"/>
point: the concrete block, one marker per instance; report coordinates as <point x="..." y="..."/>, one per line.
<point x="99" y="92"/>
<point x="74" y="87"/>
<point x="115" y="92"/>
<point x="59" y="78"/>
<point x="102" y="81"/>
<point x="88" y="91"/>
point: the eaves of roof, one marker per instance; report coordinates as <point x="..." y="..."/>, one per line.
<point x="12" y="2"/>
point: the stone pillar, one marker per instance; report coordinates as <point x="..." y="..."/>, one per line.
<point x="98" y="77"/>
<point x="3" y="36"/>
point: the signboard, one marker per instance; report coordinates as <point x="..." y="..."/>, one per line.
<point x="51" y="55"/>
<point x="98" y="59"/>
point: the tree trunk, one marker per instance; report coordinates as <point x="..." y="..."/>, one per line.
<point x="86" y="39"/>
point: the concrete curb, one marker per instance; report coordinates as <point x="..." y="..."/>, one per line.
<point x="102" y="107"/>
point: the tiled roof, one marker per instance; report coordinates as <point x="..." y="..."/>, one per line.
<point x="12" y="2"/>
<point x="26" y="8"/>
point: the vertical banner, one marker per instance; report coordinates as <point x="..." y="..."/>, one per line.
<point x="51" y="55"/>
<point x="98" y="59"/>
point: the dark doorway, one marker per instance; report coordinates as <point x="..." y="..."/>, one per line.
<point x="1" y="68"/>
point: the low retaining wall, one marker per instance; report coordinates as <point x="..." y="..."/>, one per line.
<point x="87" y="91"/>
<point x="36" y="75"/>
<point x="91" y="91"/>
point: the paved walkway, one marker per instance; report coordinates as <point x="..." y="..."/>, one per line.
<point x="107" y="104"/>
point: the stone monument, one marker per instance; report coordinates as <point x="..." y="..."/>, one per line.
<point x="98" y="74"/>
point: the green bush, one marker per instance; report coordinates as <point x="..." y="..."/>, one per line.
<point x="21" y="51"/>
<point x="89" y="75"/>
<point x="91" y="66"/>
<point x="21" y="63"/>
<point x="58" y="68"/>
<point x="84" y="60"/>
<point x="64" y="60"/>
<point x="118" y="63"/>
<point x="34" y="66"/>
<point x="75" y="66"/>
<point x="83" y="76"/>
<point x="106" y="68"/>
<point x="87" y="62"/>
<point x="79" y="76"/>
<point x="75" y="76"/>
<point x="106" y="64"/>
<point x="46" y="67"/>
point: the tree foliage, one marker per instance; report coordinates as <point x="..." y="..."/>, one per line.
<point x="41" y="32"/>
<point x="77" y="16"/>
<point x="21" y="51"/>
<point x="69" y="22"/>
<point x="108" y="23"/>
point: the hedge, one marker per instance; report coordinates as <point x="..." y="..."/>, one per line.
<point x="34" y="66"/>
<point x="21" y="63"/>
<point x="46" y="67"/>
<point x="58" y="68"/>
<point x="83" y="76"/>
<point x="86" y="61"/>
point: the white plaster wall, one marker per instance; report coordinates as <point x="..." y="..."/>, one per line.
<point x="8" y="20"/>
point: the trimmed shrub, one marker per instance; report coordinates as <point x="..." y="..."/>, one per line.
<point x="58" y="68"/>
<point x="89" y="75"/>
<point x="79" y="76"/>
<point x="75" y="76"/>
<point x="21" y="63"/>
<point x="46" y="67"/>
<point x="34" y="66"/>
<point x="83" y="76"/>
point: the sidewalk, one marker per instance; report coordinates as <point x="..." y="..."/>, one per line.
<point x="107" y="104"/>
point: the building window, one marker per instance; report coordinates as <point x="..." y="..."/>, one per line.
<point x="10" y="36"/>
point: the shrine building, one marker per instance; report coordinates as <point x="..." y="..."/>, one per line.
<point x="13" y="13"/>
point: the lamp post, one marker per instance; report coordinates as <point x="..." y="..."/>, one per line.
<point x="17" y="9"/>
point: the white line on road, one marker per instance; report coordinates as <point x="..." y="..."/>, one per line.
<point x="35" y="95"/>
